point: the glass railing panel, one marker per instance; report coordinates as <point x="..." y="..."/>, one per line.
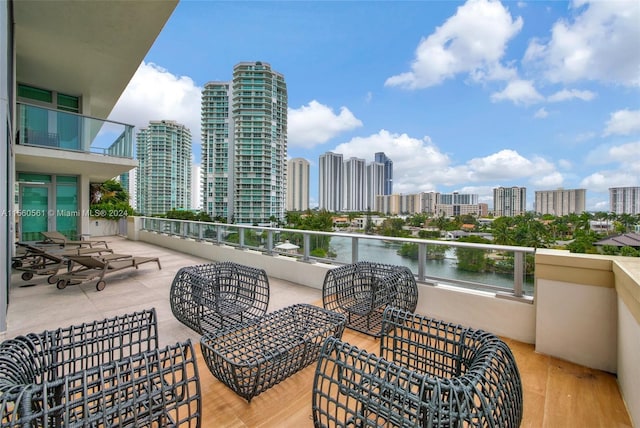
<point x="38" y="126"/>
<point x="494" y="268"/>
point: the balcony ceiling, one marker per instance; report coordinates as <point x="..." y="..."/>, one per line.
<point x="97" y="168"/>
<point x="86" y="47"/>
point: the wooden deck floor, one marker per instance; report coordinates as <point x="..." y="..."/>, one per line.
<point x="556" y="394"/>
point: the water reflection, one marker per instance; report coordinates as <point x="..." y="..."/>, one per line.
<point x="376" y="250"/>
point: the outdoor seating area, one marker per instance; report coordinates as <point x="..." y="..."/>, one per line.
<point x="253" y="356"/>
<point x="213" y="296"/>
<point x="44" y="260"/>
<point x="363" y="290"/>
<point x="87" y="267"/>
<point x="108" y="372"/>
<point x="57" y="238"/>
<point x="428" y="373"/>
<point x="554" y="392"/>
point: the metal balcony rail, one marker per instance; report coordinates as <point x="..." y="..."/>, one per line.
<point x="43" y="127"/>
<point x="516" y="277"/>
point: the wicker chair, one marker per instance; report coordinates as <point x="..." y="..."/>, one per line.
<point x="104" y="373"/>
<point x="213" y="296"/>
<point x="429" y="374"/>
<point x="361" y="291"/>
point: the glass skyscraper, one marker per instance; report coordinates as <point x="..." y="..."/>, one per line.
<point x="380" y="157"/>
<point x="244" y="146"/>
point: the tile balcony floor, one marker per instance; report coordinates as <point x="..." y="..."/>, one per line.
<point x="556" y="393"/>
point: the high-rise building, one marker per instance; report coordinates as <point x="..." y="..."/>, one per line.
<point x="244" y="140"/>
<point x="354" y="185"/>
<point x="331" y="170"/>
<point x="560" y="202"/>
<point x="298" y="184"/>
<point x="374" y="185"/>
<point x="509" y="201"/>
<point x="164" y="167"/>
<point x="380" y="157"/>
<point x="624" y="200"/>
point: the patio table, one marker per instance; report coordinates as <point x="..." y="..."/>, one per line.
<point x="256" y="355"/>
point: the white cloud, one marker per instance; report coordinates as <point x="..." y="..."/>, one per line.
<point x="156" y="94"/>
<point x="601" y="181"/>
<point x="316" y="123"/>
<point x="568" y="94"/>
<point x="548" y="181"/>
<point x="520" y="92"/>
<point x="600" y="43"/>
<point x="623" y="122"/>
<point x="565" y="164"/>
<point x="508" y="165"/>
<point x="541" y="113"/>
<point x="472" y="41"/>
<point x="625" y="167"/>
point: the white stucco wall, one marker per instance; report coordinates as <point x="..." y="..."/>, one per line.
<point x="577" y="323"/>
<point x="629" y="361"/>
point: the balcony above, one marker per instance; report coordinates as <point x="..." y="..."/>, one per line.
<point x="53" y="141"/>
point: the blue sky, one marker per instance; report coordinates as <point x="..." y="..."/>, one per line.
<point x="462" y="96"/>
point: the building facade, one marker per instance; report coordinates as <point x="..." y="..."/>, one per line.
<point x="330" y="171"/>
<point x="375" y="184"/>
<point x="56" y="139"/>
<point x="244" y="140"/>
<point x="298" y="184"/>
<point x="380" y="157"/>
<point x="509" y="201"/>
<point x="164" y="167"/>
<point x="560" y="202"/>
<point x="354" y="185"/>
<point x="624" y="200"/>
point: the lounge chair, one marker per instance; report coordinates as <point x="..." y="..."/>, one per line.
<point x="37" y="261"/>
<point x="59" y="239"/>
<point x="34" y="260"/>
<point x="92" y="267"/>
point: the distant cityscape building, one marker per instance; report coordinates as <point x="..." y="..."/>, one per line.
<point x="133" y="188"/>
<point x="560" y="202"/>
<point x="374" y="185"/>
<point x="352" y="184"/>
<point x="434" y="203"/>
<point x="244" y="145"/>
<point x="624" y="200"/>
<point x="164" y="167"/>
<point x="330" y="170"/>
<point x="380" y="157"/>
<point x="297" y="184"/>
<point x="509" y="201"/>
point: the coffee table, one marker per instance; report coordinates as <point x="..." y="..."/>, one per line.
<point x="253" y="356"/>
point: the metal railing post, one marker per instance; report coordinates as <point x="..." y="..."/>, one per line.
<point x="422" y="260"/>
<point x="518" y="273"/>
<point x="354" y="250"/>
<point x="307" y="245"/>
<point x="270" y="242"/>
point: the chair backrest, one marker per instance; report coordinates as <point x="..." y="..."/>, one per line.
<point x="53" y="354"/>
<point x="90" y="262"/>
<point x="54" y="236"/>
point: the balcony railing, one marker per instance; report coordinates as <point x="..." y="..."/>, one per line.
<point x="38" y="126"/>
<point x="505" y="270"/>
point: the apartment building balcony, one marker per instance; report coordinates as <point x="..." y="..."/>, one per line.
<point x="58" y="142"/>
<point x="576" y="341"/>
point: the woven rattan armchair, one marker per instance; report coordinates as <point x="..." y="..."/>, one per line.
<point x="104" y="373"/>
<point x="217" y="295"/>
<point x="361" y="291"/>
<point x="429" y="373"/>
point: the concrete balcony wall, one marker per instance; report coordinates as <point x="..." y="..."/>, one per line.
<point x="576" y="315"/>
<point x="627" y="280"/>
